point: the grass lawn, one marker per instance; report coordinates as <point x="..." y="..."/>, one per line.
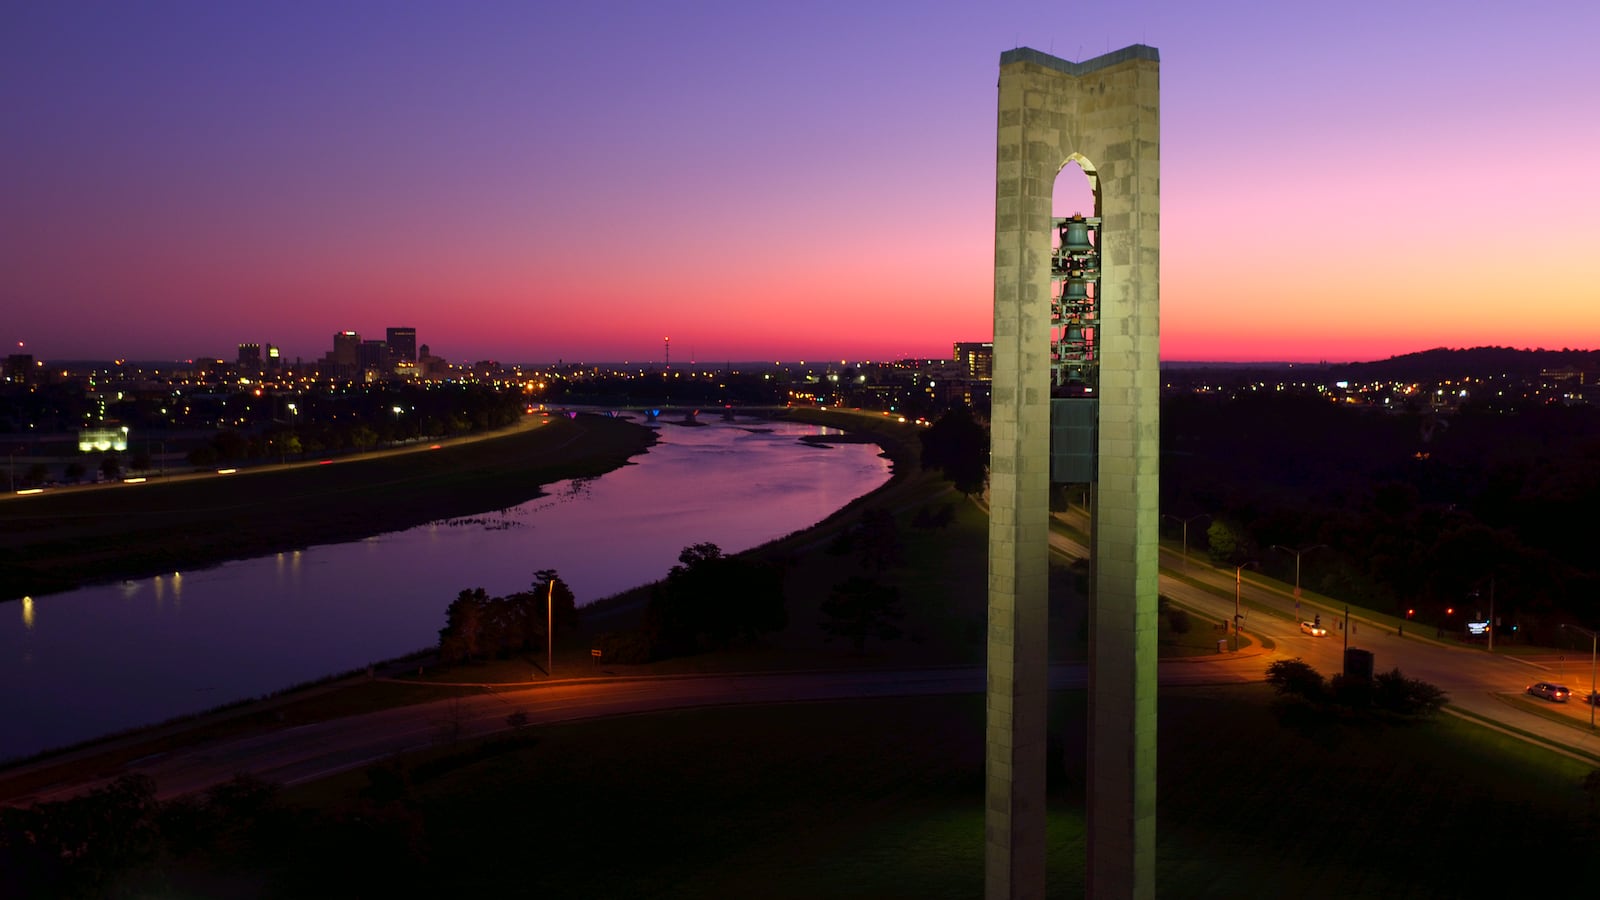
<point x="883" y="799"/>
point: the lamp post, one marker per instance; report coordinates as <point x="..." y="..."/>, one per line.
<point x="1185" y="522"/>
<point x="1238" y="589"/>
<point x="549" y="630"/>
<point x="1594" y="645"/>
<point x="1297" y="554"/>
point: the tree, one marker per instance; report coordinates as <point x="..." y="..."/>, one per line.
<point x="462" y="633"/>
<point x="1222" y="542"/>
<point x="565" y="610"/>
<point x="708" y="600"/>
<point x="74" y="471"/>
<point x="38" y="473"/>
<point x="958" y="446"/>
<point x="859" y="608"/>
<point x="363" y="437"/>
<point x="110" y="467"/>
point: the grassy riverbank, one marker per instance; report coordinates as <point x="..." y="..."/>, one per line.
<point x="59" y="540"/>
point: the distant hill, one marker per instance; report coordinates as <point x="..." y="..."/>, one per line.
<point x="1444" y="362"/>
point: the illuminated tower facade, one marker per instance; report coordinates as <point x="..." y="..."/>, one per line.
<point x="1076" y="322"/>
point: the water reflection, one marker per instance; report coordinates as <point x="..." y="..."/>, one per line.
<point x="92" y="665"/>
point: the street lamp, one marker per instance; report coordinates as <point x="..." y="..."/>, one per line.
<point x="1238" y="589"/>
<point x="1594" y="644"/>
<point x="1297" y="555"/>
<point x="549" y="630"/>
<point x="1185" y="522"/>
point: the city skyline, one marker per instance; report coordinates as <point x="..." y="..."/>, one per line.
<point x="528" y="184"/>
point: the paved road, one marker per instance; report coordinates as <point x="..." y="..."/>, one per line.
<point x="314" y="751"/>
<point x="1487" y="686"/>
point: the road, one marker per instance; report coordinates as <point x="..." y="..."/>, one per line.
<point x="1486" y="686"/>
<point x="296" y="755"/>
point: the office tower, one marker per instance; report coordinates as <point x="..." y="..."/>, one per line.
<point x="975" y="359"/>
<point x="402" y="345"/>
<point x="373" y="359"/>
<point x="346" y="354"/>
<point x="249" y="358"/>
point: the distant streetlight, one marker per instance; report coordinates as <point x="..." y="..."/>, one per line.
<point x="1185" y="522"/>
<point x="1238" y="589"/>
<point x="1594" y="645"/>
<point x="1297" y="554"/>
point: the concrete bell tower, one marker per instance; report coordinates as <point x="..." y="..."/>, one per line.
<point x="1104" y="115"/>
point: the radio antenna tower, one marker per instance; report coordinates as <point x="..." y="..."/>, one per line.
<point x="666" y="348"/>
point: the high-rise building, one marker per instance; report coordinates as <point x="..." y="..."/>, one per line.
<point x="249" y="358"/>
<point x="975" y="359"/>
<point x="346" y="356"/>
<point x="402" y="345"/>
<point x="373" y="359"/>
<point x="274" y="359"/>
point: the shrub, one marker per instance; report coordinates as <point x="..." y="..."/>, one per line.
<point x="1295" y="677"/>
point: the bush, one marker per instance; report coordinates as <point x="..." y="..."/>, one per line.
<point x="1295" y="677"/>
<point x="1393" y="692"/>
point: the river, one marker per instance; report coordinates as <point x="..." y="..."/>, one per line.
<point x="102" y="659"/>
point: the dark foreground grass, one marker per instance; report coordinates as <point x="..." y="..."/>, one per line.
<point x="884" y="799"/>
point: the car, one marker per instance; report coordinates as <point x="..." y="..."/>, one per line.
<point x="1313" y="629"/>
<point x="1555" y="693"/>
<point x="1593" y="699"/>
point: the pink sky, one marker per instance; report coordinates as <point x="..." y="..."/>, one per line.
<point x="532" y="182"/>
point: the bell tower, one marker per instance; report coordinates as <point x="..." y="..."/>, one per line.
<point x="1076" y="390"/>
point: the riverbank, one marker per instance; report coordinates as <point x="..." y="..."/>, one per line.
<point x="58" y="541"/>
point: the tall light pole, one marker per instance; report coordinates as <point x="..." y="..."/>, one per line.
<point x="549" y="630"/>
<point x="1185" y="522"/>
<point x="1297" y="554"/>
<point x="1238" y="589"/>
<point x="1594" y="645"/>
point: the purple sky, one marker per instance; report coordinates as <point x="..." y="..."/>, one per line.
<point x="532" y="181"/>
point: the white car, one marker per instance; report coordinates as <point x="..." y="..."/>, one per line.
<point x="1313" y="629"/>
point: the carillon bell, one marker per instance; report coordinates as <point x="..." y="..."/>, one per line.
<point x="1075" y="236"/>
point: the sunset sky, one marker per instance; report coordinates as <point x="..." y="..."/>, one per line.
<point x="532" y="181"/>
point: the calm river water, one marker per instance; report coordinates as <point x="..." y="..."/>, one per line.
<point x="102" y="659"/>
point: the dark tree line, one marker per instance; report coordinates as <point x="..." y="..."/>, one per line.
<point x="709" y="600"/>
<point x="480" y="627"/>
<point x="1416" y="511"/>
<point x="958" y="445"/>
